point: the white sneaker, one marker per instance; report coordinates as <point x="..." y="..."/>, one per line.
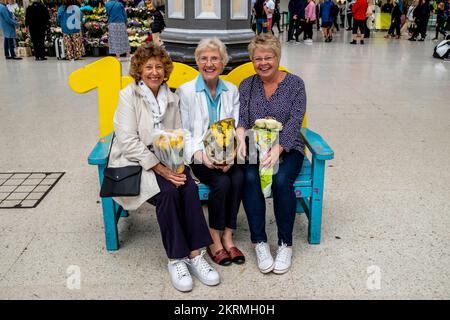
<point x="264" y="257"/>
<point x="179" y="275"/>
<point x="283" y="259"/>
<point x="200" y="268"/>
<point x="308" y="41"/>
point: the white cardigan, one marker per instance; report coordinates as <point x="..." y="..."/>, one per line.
<point x="195" y="115"/>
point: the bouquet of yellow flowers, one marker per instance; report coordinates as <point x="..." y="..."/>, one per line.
<point x="220" y="142"/>
<point x="168" y="146"/>
<point x="266" y="132"/>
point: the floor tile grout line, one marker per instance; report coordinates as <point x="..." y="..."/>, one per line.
<point x="20" y="255"/>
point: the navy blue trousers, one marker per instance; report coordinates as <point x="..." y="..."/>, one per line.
<point x="225" y="194"/>
<point x="8" y="45"/>
<point x="180" y="217"/>
<point x="284" y="201"/>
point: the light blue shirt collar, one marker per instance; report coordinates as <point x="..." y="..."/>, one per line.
<point x="200" y="85"/>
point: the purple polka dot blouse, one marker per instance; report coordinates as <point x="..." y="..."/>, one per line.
<point x="287" y="105"/>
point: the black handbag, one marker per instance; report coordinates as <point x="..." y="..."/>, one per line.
<point x="122" y="181"/>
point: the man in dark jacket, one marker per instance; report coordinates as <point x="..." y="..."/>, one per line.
<point x="301" y="20"/>
<point x="37" y="20"/>
<point x="294" y="11"/>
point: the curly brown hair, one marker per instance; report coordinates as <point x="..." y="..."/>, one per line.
<point x="146" y="52"/>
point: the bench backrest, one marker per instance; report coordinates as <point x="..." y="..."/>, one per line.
<point x="106" y="75"/>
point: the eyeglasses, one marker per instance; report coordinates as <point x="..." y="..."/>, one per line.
<point x="213" y="60"/>
<point x="261" y="59"/>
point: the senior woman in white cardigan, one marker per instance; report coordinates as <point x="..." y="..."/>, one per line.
<point x="204" y="101"/>
<point x="146" y="105"/>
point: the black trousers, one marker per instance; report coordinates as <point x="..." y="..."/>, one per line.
<point x="38" y="39"/>
<point x="293" y="25"/>
<point x="440" y="28"/>
<point x="225" y="194"/>
<point x="300" y="29"/>
<point x="180" y="217"/>
<point x="394" y="25"/>
<point x="309" y="29"/>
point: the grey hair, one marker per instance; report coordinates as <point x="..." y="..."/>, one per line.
<point x="212" y="44"/>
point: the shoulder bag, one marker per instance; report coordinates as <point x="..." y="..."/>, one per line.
<point x="122" y="181"/>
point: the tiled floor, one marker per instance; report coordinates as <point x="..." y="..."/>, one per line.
<point x="383" y="107"/>
<point x="27" y="189"/>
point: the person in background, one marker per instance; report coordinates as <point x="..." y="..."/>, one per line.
<point x="158" y="24"/>
<point x="37" y="20"/>
<point x="395" y="21"/>
<point x="70" y="17"/>
<point x="282" y="96"/>
<point x="441" y="19"/>
<point x="276" y="18"/>
<point x="310" y="16"/>
<point x="335" y="14"/>
<point x="349" y="7"/>
<point x="327" y="20"/>
<point x="261" y="16"/>
<point x="269" y="7"/>
<point x="8" y="25"/>
<point x="359" y="20"/>
<point x="294" y="9"/>
<point x="117" y="28"/>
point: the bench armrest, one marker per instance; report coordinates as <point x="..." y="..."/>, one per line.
<point x="99" y="154"/>
<point x="318" y="147"/>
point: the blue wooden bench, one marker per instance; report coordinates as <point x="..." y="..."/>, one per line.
<point x="309" y="185"/>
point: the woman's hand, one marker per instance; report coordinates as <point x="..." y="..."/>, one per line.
<point x="226" y="167"/>
<point x="272" y="156"/>
<point x="177" y="179"/>
<point x="201" y="157"/>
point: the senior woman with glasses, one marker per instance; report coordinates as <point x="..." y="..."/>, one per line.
<point x="282" y="96"/>
<point x="145" y="106"/>
<point x="204" y="101"/>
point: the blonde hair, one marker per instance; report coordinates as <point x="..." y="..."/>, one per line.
<point x="212" y="44"/>
<point x="265" y="42"/>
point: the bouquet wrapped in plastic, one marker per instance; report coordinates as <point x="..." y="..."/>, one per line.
<point x="220" y="142"/>
<point x="168" y="146"/>
<point x="266" y="132"/>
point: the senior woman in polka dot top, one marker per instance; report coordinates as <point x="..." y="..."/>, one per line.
<point x="282" y="96"/>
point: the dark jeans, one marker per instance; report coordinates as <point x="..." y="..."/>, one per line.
<point x="284" y="201"/>
<point x="225" y="194"/>
<point x="8" y="44"/>
<point x="259" y="26"/>
<point x="38" y="39"/>
<point x="180" y="217"/>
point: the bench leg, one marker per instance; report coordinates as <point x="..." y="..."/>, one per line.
<point x="110" y="222"/>
<point x="315" y="215"/>
<point x="109" y="217"/>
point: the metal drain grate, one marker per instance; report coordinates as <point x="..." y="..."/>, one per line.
<point x="26" y="189"/>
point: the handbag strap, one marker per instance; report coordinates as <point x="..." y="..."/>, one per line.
<point x="250" y="99"/>
<point x="110" y="147"/>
